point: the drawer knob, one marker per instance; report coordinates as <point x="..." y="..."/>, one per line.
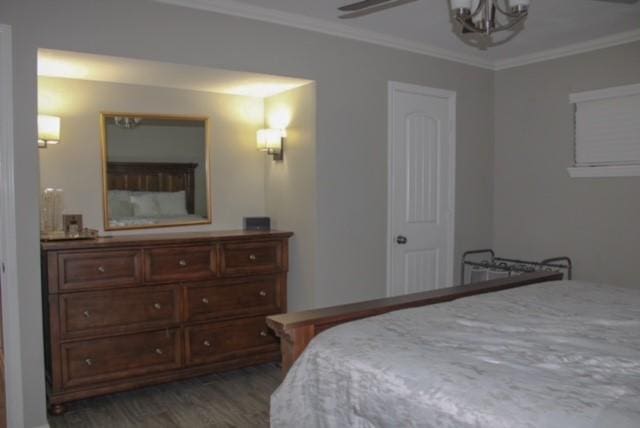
<point x="159" y="351"/>
<point x="182" y="262"/>
<point x="205" y="300"/>
<point x="88" y="361"/>
<point x="206" y="343"/>
<point x="263" y="333"/>
<point x="157" y="305"/>
<point x="86" y="313"/>
<point x="252" y="257"/>
<point x="263" y="293"/>
<point x="101" y="269"/>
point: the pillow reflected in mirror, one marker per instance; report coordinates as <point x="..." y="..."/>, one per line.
<point x="120" y="204"/>
<point x="145" y="205"/>
<point x="172" y="204"/>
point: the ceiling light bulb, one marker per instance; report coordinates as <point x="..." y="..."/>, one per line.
<point x="478" y="18"/>
<point x="519" y="5"/>
<point x="460" y="4"/>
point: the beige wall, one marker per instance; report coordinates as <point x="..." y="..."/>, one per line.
<point x="541" y="212"/>
<point x="291" y="187"/>
<point x="237" y="168"/>
<point x="351" y="148"/>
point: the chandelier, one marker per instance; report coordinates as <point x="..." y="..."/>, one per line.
<point x="126" y="122"/>
<point x="483" y="16"/>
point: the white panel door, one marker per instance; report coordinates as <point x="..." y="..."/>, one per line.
<point x="421" y="184"/>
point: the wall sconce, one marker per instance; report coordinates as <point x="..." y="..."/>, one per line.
<point x="272" y="142"/>
<point x="48" y="130"/>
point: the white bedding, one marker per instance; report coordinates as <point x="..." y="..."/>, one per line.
<point x="143" y="221"/>
<point x="138" y="208"/>
<point x="560" y="354"/>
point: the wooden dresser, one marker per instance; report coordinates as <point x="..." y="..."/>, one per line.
<point x="129" y="311"/>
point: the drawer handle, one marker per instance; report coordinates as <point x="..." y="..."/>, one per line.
<point x="88" y="361"/>
<point x="263" y="333"/>
<point x="182" y="262"/>
<point x="159" y="351"/>
<point x="252" y="257"/>
<point x="205" y="300"/>
<point x="157" y="305"/>
<point x="206" y="343"/>
<point x="101" y="269"/>
<point x="263" y="293"/>
<point x="86" y="313"/>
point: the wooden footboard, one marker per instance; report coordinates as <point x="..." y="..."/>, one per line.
<point x="296" y="329"/>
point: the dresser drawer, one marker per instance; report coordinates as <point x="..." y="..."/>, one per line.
<point x="95" y="269"/>
<point x="180" y="263"/>
<point x="254" y="257"/>
<point x="113" y="311"/>
<point x="250" y="297"/>
<point x="220" y="341"/>
<point x="101" y="360"/>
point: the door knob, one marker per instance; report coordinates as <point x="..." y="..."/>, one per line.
<point x="401" y="239"/>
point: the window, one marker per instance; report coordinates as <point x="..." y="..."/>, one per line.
<point x="607" y="134"/>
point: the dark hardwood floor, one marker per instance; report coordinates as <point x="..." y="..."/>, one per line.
<point x="239" y="398"/>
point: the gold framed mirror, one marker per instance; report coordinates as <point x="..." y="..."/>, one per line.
<point x="155" y="170"/>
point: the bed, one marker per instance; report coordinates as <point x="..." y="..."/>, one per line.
<point x="150" y="193"/>
<point x="551" y="354"/>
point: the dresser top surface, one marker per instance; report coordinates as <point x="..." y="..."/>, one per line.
<point x="163" y="239"/>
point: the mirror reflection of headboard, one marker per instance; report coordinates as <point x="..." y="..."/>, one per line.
<point x="153" y="177"/>
<point x="166" y="159"/>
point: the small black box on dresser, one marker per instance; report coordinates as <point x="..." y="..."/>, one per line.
<point x="256" y="223"/>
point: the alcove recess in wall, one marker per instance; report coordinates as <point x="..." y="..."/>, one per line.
<point x="78" y="87"/>
<point x="243" y="181"/>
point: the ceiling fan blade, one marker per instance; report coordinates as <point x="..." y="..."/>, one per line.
<point x="361" y="5"/>
<point x="378" y="8"/>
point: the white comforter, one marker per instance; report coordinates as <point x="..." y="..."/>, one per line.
<point x="159" y="220"/>
<point x="560" y="354"/>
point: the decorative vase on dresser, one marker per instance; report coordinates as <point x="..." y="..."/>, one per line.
<point x="129" y="311"/>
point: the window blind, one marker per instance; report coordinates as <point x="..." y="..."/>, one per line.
<point x="608" y="126"/>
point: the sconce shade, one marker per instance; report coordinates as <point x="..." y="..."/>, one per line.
<point x="48" y="129"/>
<point x="269" y="139"/>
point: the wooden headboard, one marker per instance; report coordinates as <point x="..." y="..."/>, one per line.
<point x="153" y="177"/>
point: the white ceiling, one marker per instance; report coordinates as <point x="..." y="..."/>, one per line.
<point x="74" y="65"/>
<point x="553" y="28"/>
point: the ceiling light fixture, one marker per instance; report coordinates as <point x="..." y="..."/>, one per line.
<point x="481" y="16"/>
<point x="126" y="122"/>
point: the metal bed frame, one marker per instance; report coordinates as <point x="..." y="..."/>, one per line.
<point x="513" y="266"/>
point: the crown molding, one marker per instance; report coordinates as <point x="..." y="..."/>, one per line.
<point x="230" y="7"/>
<point x="573" y="49"/>
<point x="244" y="10"/>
